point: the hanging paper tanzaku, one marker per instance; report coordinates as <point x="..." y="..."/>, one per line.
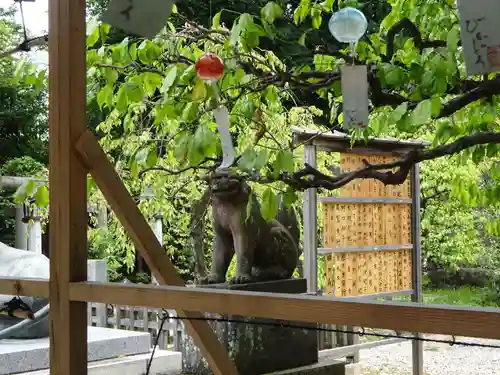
<point x="480" y="35"/>
<point x="354" y="96"/>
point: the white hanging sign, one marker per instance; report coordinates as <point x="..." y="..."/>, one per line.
<point x="480" y="35"/>
<point x="222" y="120"/>
<point x="354" y="83"/>
<point x="141" y="17"/>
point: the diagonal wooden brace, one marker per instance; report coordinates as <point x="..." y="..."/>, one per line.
<point x="145" y="240"/>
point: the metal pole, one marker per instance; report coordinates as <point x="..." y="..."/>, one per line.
<point x="158" y="229"/>
<point x="310" y="220"/>
<point x="417" y="346"/>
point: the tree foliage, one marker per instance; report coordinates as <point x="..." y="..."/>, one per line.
<point x="23" y="120"/>
<point x="282" y="68"/>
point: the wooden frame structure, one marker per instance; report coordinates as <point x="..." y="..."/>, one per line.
<point x="377" y="220"/>
<point x="74" y="152"/>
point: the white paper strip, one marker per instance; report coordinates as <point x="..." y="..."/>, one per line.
<point x="355" y="96"/>
<point x="142" y="17"/>
<point x="222" y="120"/>
<point x="480" y="35"/>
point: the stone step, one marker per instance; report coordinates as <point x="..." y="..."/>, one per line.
<point x="325" y="366"/>
<point x="18" y="356"/>
<point x="164" y="363"/>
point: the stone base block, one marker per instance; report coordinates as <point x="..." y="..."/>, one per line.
<point x="103" y="343"/>
<point x="164" y="363"/>
<point x="257" y="346"/>
<point x="353" y="369"/>
<point x="325" y="366"/>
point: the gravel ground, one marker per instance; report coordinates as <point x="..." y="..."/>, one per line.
<point x="439" y="359"/>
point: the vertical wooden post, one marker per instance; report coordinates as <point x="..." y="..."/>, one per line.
<point x="417" y="345"/>
<point x="310" y="227"/>
<point x="67" y="176"/>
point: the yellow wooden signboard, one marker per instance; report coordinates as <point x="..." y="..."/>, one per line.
<point x="365" y="224"/>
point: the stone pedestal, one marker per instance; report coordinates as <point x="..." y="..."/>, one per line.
<point x="257" y="348"/>
<point x="17" y="356"/>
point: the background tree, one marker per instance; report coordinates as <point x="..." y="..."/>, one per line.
<point x="155" y="117"/>
<point x="23" y="119"/>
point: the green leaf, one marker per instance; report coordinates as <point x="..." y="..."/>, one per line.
<point x="105" y="29"/>
<point x="199" y="91"/>
<point x="398" y="112"/>
<point x="235" y="34"/>
<point x="134" y="91"/>
<point x="91" y="186"/>
<point x="271" y="94"/>
<point x="284" y="161"/>
<point x="93" y="34"/>
<point x="128" y="122"/>
<point x="216" y="20"/>
<point x="290" y="196"/>
<point x="495" y="172"/>
<point x="152" y="158"/>
<point x="422" y="113"/>
<point x="252" y="160"/>
<point x="245" y="21"/>
<point x="141" y="156"/>
<point x="435" y="106"/>
<point x="316" y="17"/>
<point x="111" y="75"/>
<point x="478" y="154"/>
<point x="133" y="51"/>
<point x="301" y="11"/>
<point x="148" y="52"/>
<point x="105" y="96"/>
<point x="195" y="155"/>
<point x="271" y="11"/>
<point x="20" y="66"/>
<point x="204" y="140"/>
<point x="269" y="206"/>
<point x="302" y="40"/>
<point x="42" y="196"/>
<point x="182" y="146"/>
<point x="24" y="191"/>
<point x="452" y="39"/>
<point x="492" y="150"/>
<point x="169" y="79"/>
<point x="151" y="82"/>
<point x="190" y="112"/>
<point x="247" y="108"/>
<point x="394" y="75"/>
<point x="188" y="75"/>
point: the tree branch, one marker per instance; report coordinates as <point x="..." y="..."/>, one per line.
<point x="424" y="199"/>
<point x="310" y="177"/>
<point x="406" y="24"/>
<point x="200" y="165"/>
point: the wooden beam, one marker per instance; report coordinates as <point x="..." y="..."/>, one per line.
<point x="150" y="249"/>
<point x="24" y="287"/>
<point x="67" y="179"/>
<point x="397" y="316"/>
<point x="402" y="316"/>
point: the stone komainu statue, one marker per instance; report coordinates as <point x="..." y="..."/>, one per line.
<point x="264" y="251"/>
